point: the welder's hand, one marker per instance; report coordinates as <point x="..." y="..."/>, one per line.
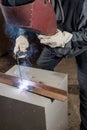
<point x="57" y="40"/>
<point x="21" y="44"/>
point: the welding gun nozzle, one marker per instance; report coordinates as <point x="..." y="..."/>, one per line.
<point x="21" y="54"/>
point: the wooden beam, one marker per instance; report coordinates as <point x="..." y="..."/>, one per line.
<point x="34" y="87"/>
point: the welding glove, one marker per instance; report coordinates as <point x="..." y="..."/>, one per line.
<point x="57" y="40"/>
<point x="21" y="44"/>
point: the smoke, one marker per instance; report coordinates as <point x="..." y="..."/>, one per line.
<point x="14" y="31"/>
<point x="11" y="31"/>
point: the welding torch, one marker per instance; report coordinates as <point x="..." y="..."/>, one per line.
<point x="26" y="62"/>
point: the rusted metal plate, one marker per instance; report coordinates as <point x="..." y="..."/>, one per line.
<point x="37" y="15"/>
<point x="34" y="87"/>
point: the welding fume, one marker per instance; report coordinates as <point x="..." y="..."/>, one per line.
<point x="29" y="20"/>
<point x="30" y="16"/>
<point x="28" y="23"/>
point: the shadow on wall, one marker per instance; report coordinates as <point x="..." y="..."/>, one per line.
<point x="4" y="40"/>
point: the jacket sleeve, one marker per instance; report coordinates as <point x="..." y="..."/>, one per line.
<point x="78" y="43"/>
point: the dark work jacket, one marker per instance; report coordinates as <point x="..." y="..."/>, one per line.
<point x="75" y="22"/>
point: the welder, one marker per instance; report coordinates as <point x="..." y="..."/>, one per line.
<point x="74" y="22"/>
<point x="70" y="40"/>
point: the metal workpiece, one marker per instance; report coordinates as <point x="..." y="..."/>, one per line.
<point x="54" y="113"/>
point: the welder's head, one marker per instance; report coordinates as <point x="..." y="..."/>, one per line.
<point x="35" y="15"/>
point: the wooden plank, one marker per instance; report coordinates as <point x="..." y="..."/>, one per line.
<point x="34" y="87"/>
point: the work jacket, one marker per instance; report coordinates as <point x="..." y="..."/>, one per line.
<point x="73" y="19"/>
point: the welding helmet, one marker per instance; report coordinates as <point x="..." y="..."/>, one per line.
<point x="37" y="15"/>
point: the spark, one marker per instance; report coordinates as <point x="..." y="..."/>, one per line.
<point x="26" y="85"/>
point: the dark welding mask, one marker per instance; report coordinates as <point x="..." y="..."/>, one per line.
<point x="37" y="15"/>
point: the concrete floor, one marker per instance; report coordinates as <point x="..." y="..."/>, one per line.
<point x="65" y="66"/>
